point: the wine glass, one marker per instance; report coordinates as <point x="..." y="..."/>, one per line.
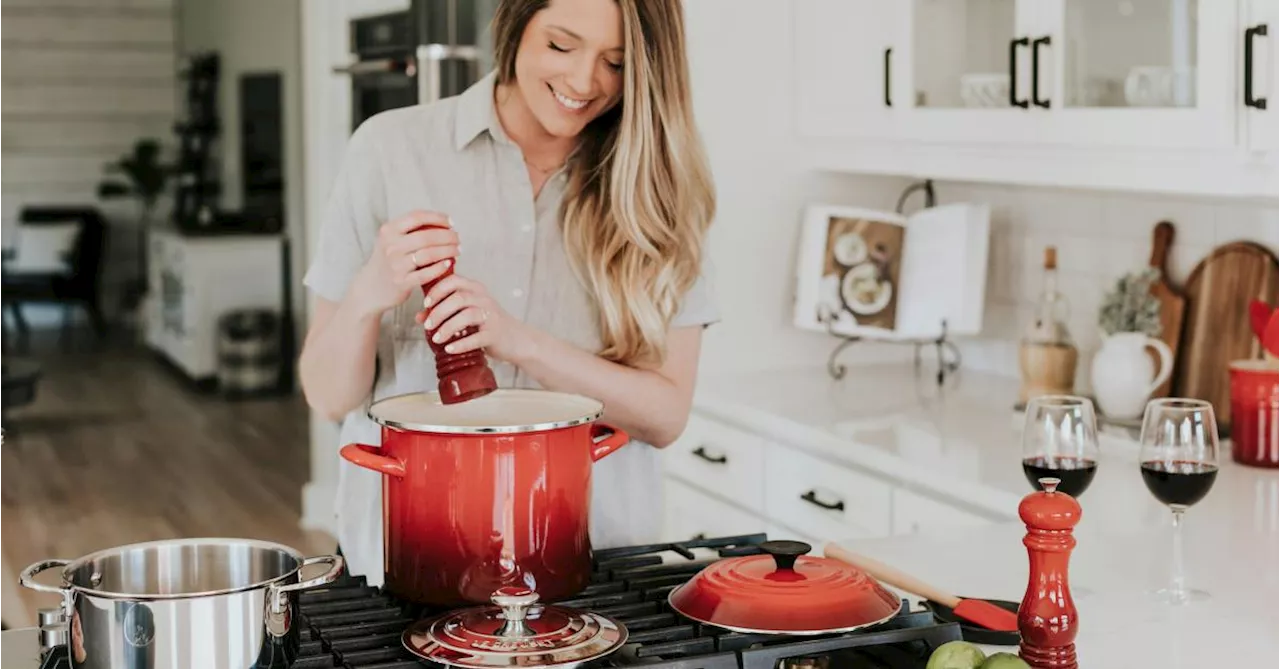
<point x="1179" y="460"/>
<point x="1060" y="440"/>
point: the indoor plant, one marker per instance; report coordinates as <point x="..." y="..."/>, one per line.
<point x="1123" y="374"/>
<point x="144" y="178"/>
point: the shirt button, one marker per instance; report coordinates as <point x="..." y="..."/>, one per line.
<point x="518" y="292"/>
<point x="526" y="228"/>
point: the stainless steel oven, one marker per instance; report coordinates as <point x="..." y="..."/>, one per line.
<point x="434" y="49"/>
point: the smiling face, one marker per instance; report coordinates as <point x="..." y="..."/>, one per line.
<point x="569" y="64"/>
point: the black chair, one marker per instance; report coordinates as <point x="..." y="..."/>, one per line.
<point x="78" y="287"/>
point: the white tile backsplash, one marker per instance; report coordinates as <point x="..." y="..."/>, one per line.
<point x="1099" y="237"/>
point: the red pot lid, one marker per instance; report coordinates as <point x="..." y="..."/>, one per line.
<point x="515" y="631"/>
<point x="784" y="591"/>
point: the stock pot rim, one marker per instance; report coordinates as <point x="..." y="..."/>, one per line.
<point x="577" y="410"/>
<point x="83" y="560"/>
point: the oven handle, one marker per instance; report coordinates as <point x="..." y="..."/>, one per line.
<point x="377" y="66"/>
<point x="430" y="77"/>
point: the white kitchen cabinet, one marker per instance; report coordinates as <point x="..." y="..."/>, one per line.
<point x="966" y="71"/>
<point x="847" y="55"/>
<point x="1258" y="87"/>
<point x="822" y="500"/>
<point x="726" y="461"/>
<point x="1145" y="95"/>
<point x="690" y="513"/>
<point x="1140" y="73"/>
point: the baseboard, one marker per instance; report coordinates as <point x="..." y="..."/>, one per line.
<point x="318" y="507"/>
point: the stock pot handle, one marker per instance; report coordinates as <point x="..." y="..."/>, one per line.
<point x="606" y="439"/>
<point x="369" y="457"/>
<point x="28" y="575"/>
<point x="279" y="618"/>
<point x="27" y="579"/>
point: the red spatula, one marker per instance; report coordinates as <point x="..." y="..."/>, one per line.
<point x="1271" y="335"/>
<point x="975" y="611"/>
<point x="1260" y="312"/>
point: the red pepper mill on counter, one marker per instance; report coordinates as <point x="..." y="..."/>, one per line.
<point x="460" y="376"/>
<point x="1047" y="616"/>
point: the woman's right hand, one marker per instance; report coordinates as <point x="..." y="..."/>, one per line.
<point x="410" y="251"/>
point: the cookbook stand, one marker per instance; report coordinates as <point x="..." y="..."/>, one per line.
<point x="947" y="353"/>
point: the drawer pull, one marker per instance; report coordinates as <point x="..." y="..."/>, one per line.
<point x="701" y="452"/>
<point x="812" y="498"/>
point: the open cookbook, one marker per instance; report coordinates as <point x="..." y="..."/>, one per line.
<point x="862" y="272"/>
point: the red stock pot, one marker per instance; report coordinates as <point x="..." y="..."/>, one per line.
<point x="490" y="493"/>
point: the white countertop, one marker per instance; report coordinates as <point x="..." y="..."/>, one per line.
<point x="963" y="442"/>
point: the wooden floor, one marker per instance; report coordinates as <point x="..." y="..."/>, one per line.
<point x="117" y="448"/>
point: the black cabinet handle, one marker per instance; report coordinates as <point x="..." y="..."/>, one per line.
<point x="1035" y="72"/>
<point x="1013" y="71"/>
<point x="812" y="498"/>
<point x="1249" y="34"/>
<point x="888" y="88"/>
<point x="701" y="452"/>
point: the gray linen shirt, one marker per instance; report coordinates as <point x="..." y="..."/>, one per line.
<point x="453" y="157"/>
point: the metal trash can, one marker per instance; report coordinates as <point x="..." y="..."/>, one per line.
<point x="249" y="356"/>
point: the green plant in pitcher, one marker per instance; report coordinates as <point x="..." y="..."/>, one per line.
<point x="1130" y="307"/>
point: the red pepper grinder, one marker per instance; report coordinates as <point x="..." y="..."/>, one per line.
<point x="1047" y="616"/>
<point x="459" y="376"/>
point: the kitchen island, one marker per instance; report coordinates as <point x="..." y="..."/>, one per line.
<point x="959" y="445"/>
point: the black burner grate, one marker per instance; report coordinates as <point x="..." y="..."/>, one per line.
<point x="351" y="625"/>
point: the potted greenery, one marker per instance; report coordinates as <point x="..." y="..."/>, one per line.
<point x="144" y="178"/>
<point x="1123" y="374"/>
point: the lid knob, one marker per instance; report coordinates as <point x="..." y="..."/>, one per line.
<point x="785" y="552"/>
<point x="515" y="603"/>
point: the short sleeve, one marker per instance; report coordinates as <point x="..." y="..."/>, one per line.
<point x="698" y="307"/>
<point x="354" y="211"/>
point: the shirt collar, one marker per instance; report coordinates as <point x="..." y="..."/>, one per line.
<point x="476" y="113"/>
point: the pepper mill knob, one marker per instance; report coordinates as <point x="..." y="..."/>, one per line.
<point x="1047" y="616"/>
<point x="459" y="376"/>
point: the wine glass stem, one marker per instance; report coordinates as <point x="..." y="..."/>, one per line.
<point x="1178" y="584"/>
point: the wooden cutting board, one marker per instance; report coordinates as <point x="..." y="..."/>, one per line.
<point x="1173" y="302"/>
<point x="1216" y="329"/>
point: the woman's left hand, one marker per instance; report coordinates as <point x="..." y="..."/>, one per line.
<point x="455" y="303"/>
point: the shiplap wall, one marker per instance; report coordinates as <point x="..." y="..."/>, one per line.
<point x="82" y="80"/>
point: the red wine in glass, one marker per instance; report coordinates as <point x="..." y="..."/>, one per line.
<point x="1060" y="440"/>
<point x="1074" y="473"/>
<point x="1179" y="482"/>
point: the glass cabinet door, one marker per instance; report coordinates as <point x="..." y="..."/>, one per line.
<point x="1140" y="72"/>
<point x="969" y="69"/>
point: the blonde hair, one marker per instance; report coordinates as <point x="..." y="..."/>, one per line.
<point x="640" y="197"/>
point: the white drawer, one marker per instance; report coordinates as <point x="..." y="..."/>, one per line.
<point x="720" y="459"/>
<point x="824" y="500"/>
<point x="689" y="513"/>
<point x="914" y="513"/>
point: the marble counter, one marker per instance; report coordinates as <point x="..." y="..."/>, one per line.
<point x="963" y="441"/>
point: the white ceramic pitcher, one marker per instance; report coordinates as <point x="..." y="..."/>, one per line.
<point x="1123" y="378"/>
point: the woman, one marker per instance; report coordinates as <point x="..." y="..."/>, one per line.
<point x="577" y="196"/>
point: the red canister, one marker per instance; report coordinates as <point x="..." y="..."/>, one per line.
<point x="1255" y="402"/>
<point x="489" y="493"/>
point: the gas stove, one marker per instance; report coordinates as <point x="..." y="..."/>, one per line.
<point x="352" y="625"/>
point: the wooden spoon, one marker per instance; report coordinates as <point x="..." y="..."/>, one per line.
<point x="975" y="611"/>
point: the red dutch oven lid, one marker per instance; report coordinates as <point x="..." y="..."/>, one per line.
<point x="784" y="591"/>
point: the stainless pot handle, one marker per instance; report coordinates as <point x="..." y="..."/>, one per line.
<point x="279" y="593"/>
<point x="279" y="618"/>
<point x="27" y="579"/>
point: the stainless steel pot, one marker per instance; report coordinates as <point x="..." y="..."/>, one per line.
<point x="184" y="604"/>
